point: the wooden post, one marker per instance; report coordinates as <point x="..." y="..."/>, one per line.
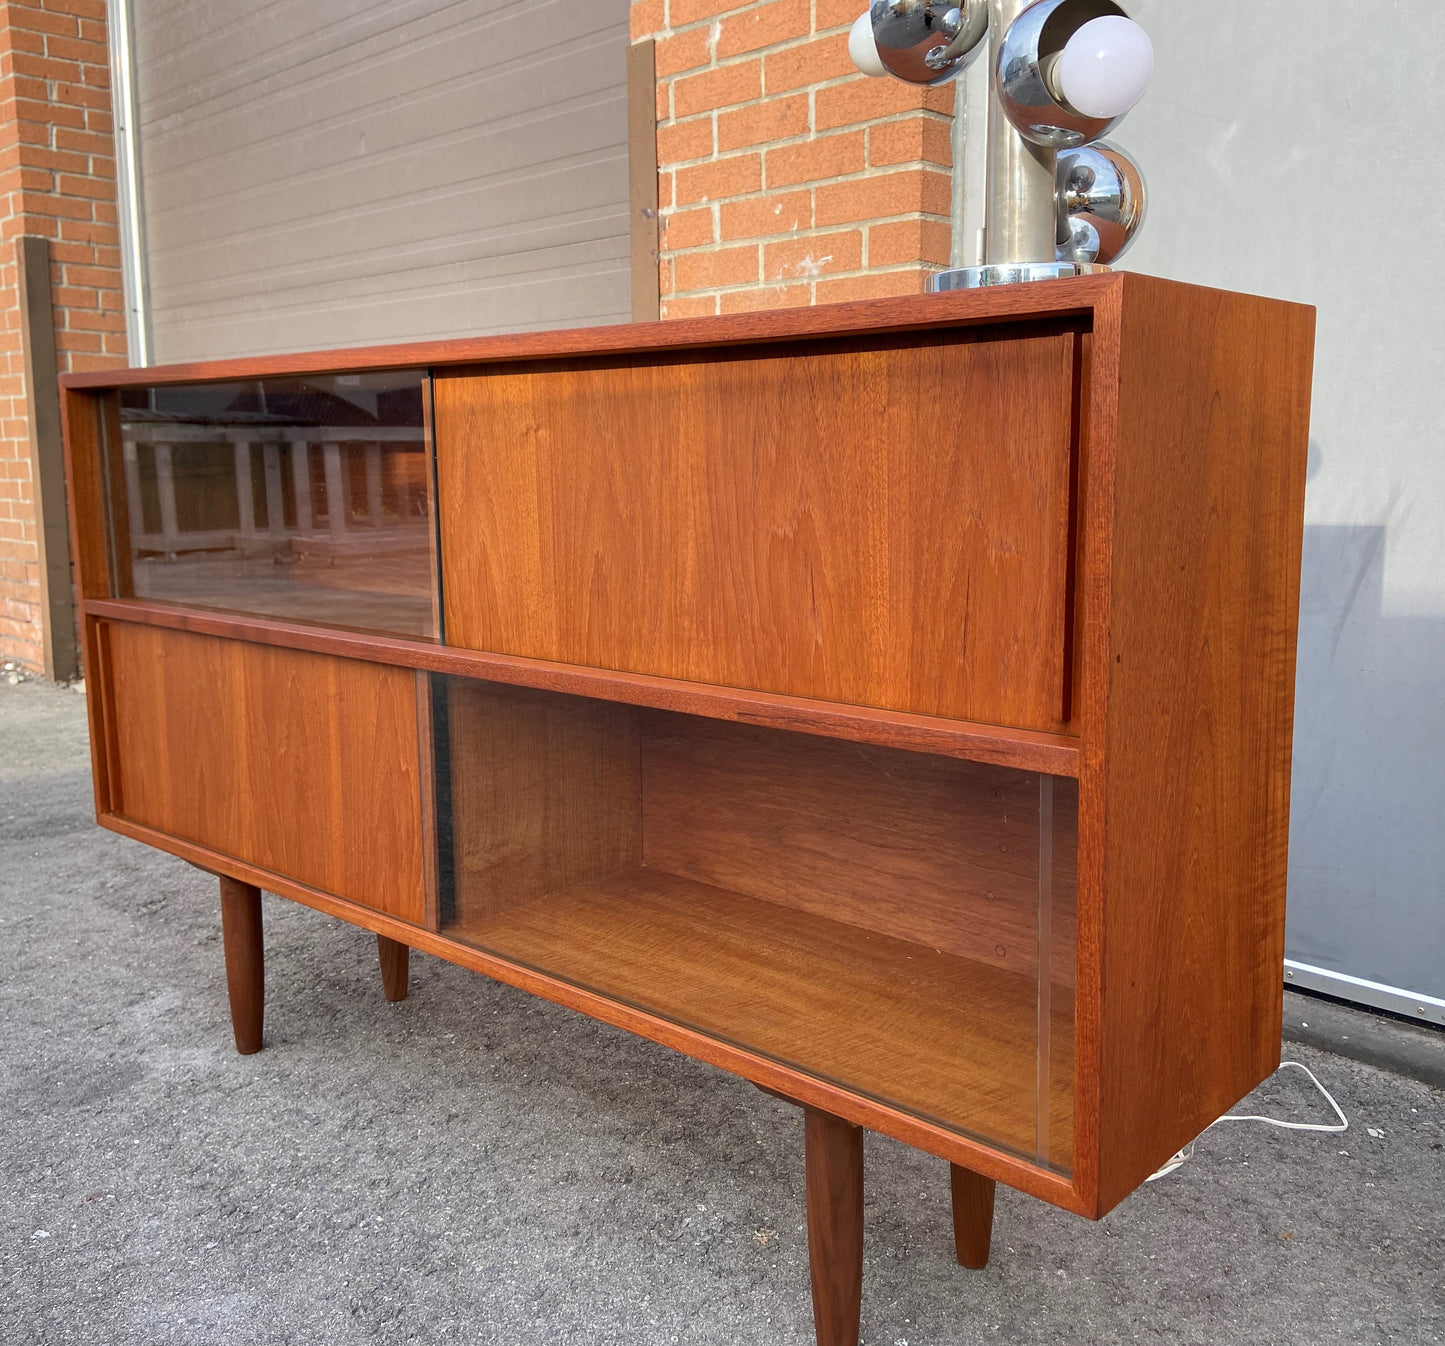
<point x="394" y="957"/>
<point x="972" y="1217"/>
<point x="834" y="1160"/>
<point x="642" y="179"/>
<point x="47" y="462"/>
<point x="245" y="961"/>
<point x="338" y="504"/>
<point x="275" y="500"/>
<point x="166" y="493"/>
<point x="301" y="483"/>
<point x="130" y="463"/>
<point x="374" y="507"/>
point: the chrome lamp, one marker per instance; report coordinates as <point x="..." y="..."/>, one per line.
<point x="1061" y="200"/>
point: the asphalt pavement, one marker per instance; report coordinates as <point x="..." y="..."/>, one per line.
<point x="474" y="1165"/>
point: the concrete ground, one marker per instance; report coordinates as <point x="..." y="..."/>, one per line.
<point x="477" y="1166"/>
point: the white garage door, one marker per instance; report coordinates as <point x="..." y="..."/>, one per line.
<point x="317" y="173"/>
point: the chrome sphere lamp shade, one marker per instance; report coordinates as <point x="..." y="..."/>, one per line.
<point x="1063" y="73"/>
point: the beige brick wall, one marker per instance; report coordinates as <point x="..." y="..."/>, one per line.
<point x="784" y="176"/>
<point x="57" y="178"/>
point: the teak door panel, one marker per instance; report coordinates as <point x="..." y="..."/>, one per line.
<point x="300" y="764"/>
<point x="881" y="522"/>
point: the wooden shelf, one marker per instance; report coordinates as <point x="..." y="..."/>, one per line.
<point x="949" y="1039"/>
<point x="1026" y="750"/>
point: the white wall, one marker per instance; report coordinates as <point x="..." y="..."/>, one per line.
<point x="1291" y="148"/>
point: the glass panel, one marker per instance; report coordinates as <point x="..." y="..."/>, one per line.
<point x="869" y="915"/>
<point x="1058" y="948"/>
<point x="307" y="499"/>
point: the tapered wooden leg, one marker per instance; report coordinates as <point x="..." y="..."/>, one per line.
<point x="972" y="1217"/>
<point x="245" y="962"/>
<point x="395" y="958"/>
<point x="835" y="1225"/>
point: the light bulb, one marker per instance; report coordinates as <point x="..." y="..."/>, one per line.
<point x="1105" y="67"/>
<point x="863" y="49"/>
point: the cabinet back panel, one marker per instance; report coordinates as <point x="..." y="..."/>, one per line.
<point x="935" y="850"/>
<point x="881" y="522"/>
<point x="297" y="763"/>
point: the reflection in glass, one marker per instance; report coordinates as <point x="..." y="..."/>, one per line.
<point x="875" y="917"/>
<point x="306" y="499"/>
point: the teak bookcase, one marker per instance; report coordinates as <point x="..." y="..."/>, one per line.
<point x="889" y="702"/>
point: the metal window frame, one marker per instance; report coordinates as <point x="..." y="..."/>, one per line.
<point x="121" y="29"/>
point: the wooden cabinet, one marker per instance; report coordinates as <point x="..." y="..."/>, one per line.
<point x="888" y="702"/>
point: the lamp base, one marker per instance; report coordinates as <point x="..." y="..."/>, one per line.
<point x="1009" y="273"/>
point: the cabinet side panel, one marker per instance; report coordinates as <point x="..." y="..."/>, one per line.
<point x="544" y="794"/>
<point x="1200" y="653"/>
<point x="881" y="522"/>
<point x="297" y="763"/>
<point x="80" y="422"/>
<point x="81" y="418"/>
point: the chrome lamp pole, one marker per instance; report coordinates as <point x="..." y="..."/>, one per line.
<point x="1020" y="228"/>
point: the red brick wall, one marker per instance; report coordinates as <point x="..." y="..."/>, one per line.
<point x="57" y="178"/>
<point x="785" y="176"/>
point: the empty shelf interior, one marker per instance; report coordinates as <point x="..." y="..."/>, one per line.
<point x="868" y="915"/>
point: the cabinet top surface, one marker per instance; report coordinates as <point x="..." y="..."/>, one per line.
<point x="1042" y="300"/>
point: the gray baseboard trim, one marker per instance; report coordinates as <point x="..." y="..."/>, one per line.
<point x="1422" y="1008"/>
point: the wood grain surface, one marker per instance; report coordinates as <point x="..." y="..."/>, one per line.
<point x="1193" y="670"/>
<point x="428" y="772"/>
<point x="544" y="794"/>
<point x="833" y="1159"/>
<point x="394" y="958"/>
<point x="85" y="472"/>
<point x="621" y="847"/>
<point x="80" y="421"/>
<point x="930" y="849"/>
<point x="946" y="1038"/>
<point x="816" y="521"/>
<point x="1171" y="663"/>
<point x="972" y="1216"/>
<point x="953" y="1146"/>
<point x="913" y="313"/>
<point x="241" y="939"/>
<point x="1027" y="750"/>
<point x="300" y="764"/>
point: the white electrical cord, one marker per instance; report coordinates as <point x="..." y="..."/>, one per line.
<point x="1344" y="1125"/>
